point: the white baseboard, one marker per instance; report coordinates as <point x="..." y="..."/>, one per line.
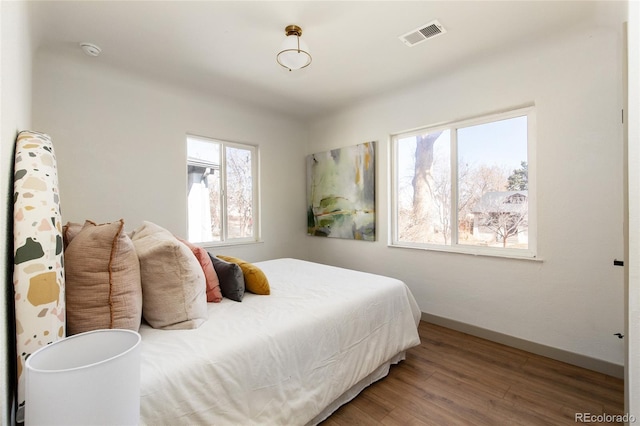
<point x="584" y="361"/>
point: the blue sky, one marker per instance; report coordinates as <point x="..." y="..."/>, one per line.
<point x="503" y="143"/>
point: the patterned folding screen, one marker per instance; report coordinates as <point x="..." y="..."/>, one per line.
<point x="38" y="274"/>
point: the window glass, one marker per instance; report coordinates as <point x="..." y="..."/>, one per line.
<point x="465" y="186"/>
<point x="239" y="192"/>
<point x="424" y="190"/>
<point x="493" y="184"/>
<point x="222" y="196"/>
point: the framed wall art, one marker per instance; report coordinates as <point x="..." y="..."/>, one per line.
<point x="341" y="193"/>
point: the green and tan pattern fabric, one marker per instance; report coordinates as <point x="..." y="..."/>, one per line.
<point x="38" y="274"/>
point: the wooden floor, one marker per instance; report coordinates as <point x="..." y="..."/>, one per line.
<point x="453" y="378"/>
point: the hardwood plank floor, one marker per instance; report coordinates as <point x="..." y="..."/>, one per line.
<point x="453" y="378"/>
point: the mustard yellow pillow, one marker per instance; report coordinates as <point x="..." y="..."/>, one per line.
<point x="255" y="280"/>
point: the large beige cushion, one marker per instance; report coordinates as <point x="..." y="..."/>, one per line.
<point x="102" y="279"/>
<point x="173" y="283"/>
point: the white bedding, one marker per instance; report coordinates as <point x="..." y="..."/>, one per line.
<point x="277" y="359"/>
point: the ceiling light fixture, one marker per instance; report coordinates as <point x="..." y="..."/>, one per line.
<point x="294" y="52"/>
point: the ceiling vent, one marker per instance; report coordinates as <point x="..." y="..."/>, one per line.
<point x="422" y="33"/>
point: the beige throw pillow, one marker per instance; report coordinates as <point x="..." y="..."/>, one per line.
<point x="102" y="279"/>
<point x="69" y="231"/>
<point x="173" y="283"/>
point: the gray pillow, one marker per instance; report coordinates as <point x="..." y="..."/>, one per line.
<point x="231" y="278"/>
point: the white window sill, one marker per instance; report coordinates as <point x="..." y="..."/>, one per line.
<point x="208" y="245"/>
<point x="474" y="251"/>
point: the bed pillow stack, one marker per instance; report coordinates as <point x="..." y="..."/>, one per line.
<point x="114" y="279"/>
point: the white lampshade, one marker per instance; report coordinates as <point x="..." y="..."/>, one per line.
<point x="294" y="52"/>
<point x="91" y="378"/>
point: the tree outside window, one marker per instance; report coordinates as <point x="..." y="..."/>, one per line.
<point x="464" y="186"/>
<point x="222" y="196"/>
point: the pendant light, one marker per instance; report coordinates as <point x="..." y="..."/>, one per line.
<point x="294" y="52"/>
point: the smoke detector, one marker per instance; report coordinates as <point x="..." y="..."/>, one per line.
<point x="423" y="33"/>
<point x="90" y="49"/>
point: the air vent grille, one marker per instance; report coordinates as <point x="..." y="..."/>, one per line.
<point x="423" y="33"/>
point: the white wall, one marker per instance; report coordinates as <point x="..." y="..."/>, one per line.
<point x="15" y="114"/>
<point x="573" y="299"/>
<point x="632" y="339"/>
<point x="121" y="149"/>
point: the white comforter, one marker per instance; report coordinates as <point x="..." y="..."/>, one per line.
<point x="277" y="359"/>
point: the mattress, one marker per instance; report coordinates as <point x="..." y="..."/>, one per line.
<point x="279" y="359"/>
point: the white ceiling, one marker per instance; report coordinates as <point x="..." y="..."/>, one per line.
<point x="228" y="47"/>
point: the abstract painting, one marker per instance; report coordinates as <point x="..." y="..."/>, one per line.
<point x="341" y="193"/>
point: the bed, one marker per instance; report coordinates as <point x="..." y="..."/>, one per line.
<point x="287" y="356"/>
<point x="290" y="358"/>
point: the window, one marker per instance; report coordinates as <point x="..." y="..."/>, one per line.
<point x="466" y="186"/>
<point x="222" y="191"/>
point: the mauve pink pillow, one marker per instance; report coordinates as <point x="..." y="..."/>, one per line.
<point x="213" y="284"/>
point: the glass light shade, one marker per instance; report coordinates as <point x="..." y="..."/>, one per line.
<point x="91" y="378"/>
<point x="294" y="53"/>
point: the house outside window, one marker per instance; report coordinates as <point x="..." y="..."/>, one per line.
<point x="222" y="192"/>
<point x="467" y="186"/>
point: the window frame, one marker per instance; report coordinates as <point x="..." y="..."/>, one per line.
<point x="255" y="186"/>
<point x="530" y="253"/>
